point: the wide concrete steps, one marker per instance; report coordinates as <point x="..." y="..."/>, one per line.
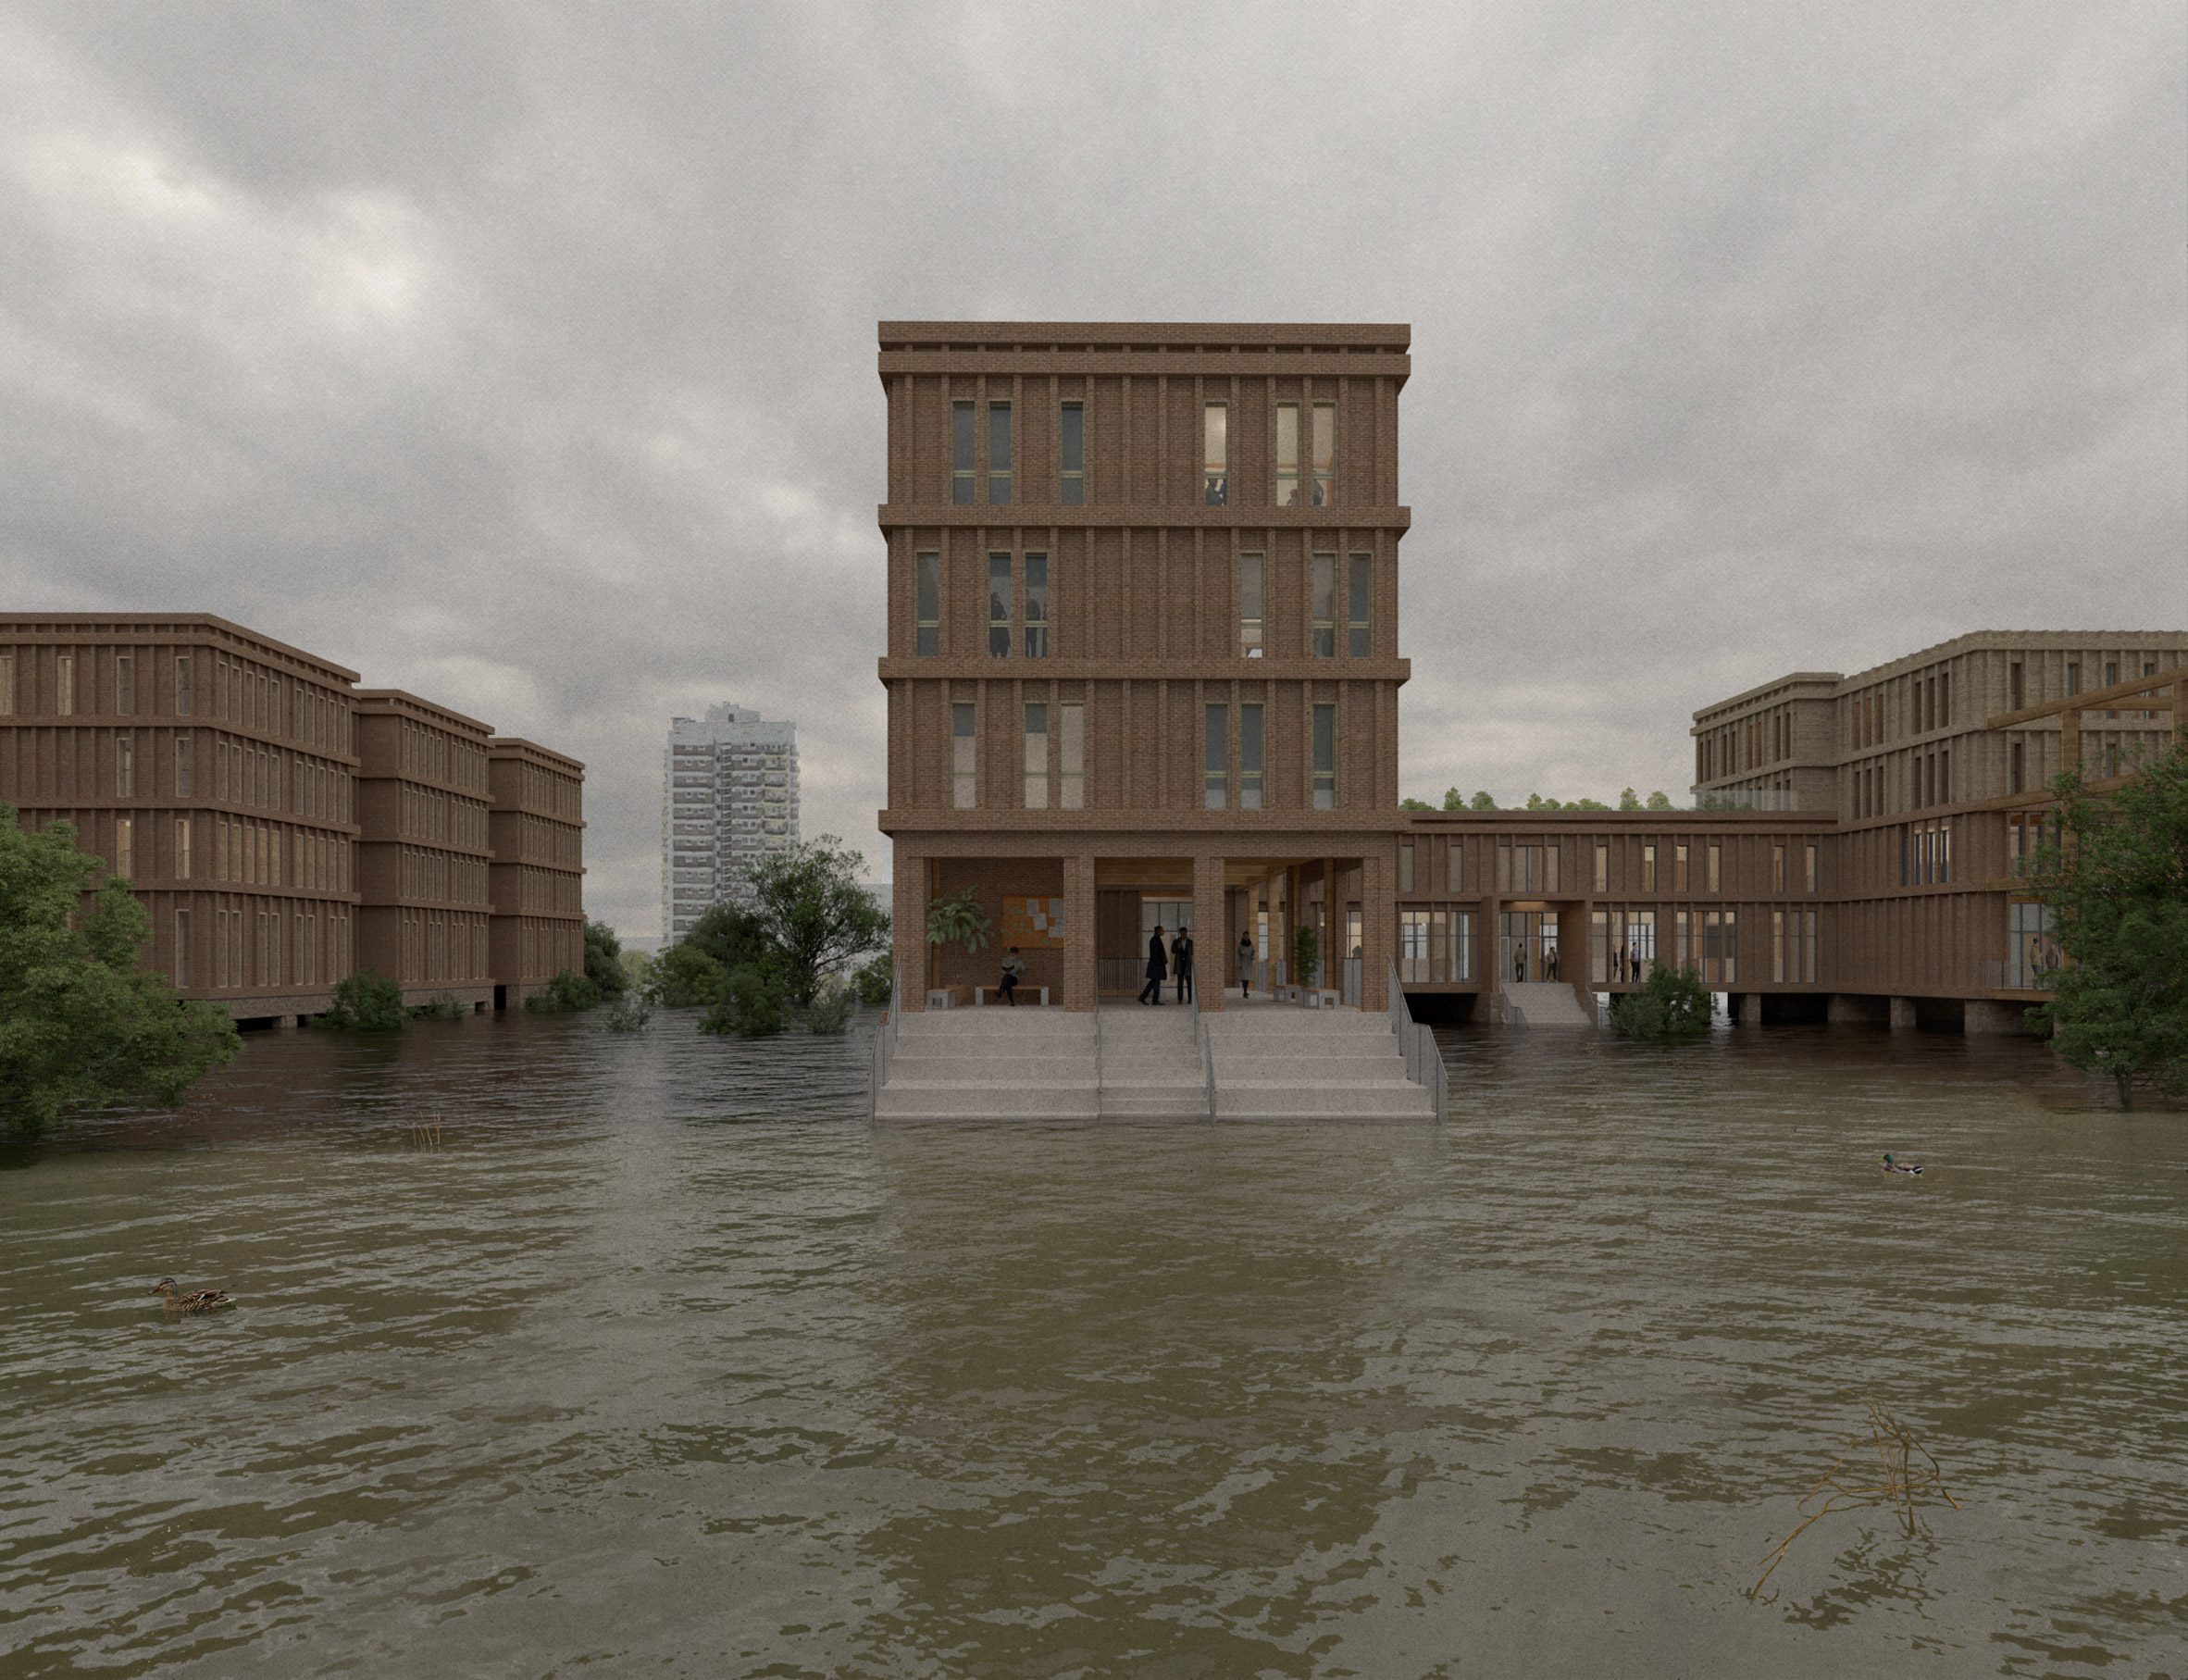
<point x="1546" y="1004"/>
<point x="1322" y="1063"/>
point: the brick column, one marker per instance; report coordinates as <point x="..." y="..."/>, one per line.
<point x="908" y="927"/>
<point x="1378" y="929"/>
<point x="1081" y="976"/>
<point x="1210" y="961"/>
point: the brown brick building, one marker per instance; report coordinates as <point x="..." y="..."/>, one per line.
<point x="536" y="829"/>
<point x="1142" y="667"/>
<point x="423" y="858"/>
<point x="281" y="828"/>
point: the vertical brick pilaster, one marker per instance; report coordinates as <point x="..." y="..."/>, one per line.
<point x="1081" y="976"/>
<point x="908" y="925"/>
<point x="1209" y="959"/>
<point x="1378" y="927"/>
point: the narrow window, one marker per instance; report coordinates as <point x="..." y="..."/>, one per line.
<point x="125" y="848"/>
<point x="1716" y="873"/>
<point x="65" y="684"/>
<point x="1945" y="700"/>
<point x="1037" y="606"/>
<point x="1649" y="868"/>
<point x="1037" y="756"/>
<point x="1453" y="854"/>
<point x="2016" y="763"/>
<point x="1679" y="868"/>
<point x="181" y="848"/>
<point x="182" y="700"/>
<point x="1325" y="452"/>
<point x="926" y="608"/>
<point x="125" y="685"/>
<point x="1357" y="587"/>
<point x="999" y="453"/>
<point x="1071" y="438"/>
<point x="1810" y="863"/>
<point x="1215" y="756"/>
<point x="1405" y="868"/>
<point x="1602" y="867"/>
<point x="1249" y="605"/>
<point x="125" y="769"/>
<point x="1071" y="755"/>
<point x="7" y="685"/>
<point x="1215" y="455"/>
<point x="2014" y="700"/>
<point x="1325" y="606"/>
<point x="182" y="947"/>
<point x="182" y="778"/>
<point x="963" y="760"/>
<point x="1777" y="868"/>
<point x="1287" y="454"/>
<point x="999" y="607"/>
<point x="1250" y="756"/>
<point x="961" y="442"/>
<point x="1325" y="758"/>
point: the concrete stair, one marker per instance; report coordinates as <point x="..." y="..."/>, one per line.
<point x="1021" y="1064"/>
<point x="1311" y="1064"/>
<point x="1546" y="1004"/>
<point x="1151" y="1069"/>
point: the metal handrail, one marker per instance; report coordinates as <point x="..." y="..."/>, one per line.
<point x="885" y="1042"/>
<point x="1424" y="1062"/>
<point x="1208" y="1061"/>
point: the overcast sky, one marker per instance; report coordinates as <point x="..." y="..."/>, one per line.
<point x="523" y="355"/>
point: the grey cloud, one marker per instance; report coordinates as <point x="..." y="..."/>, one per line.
<point x="524" y="354"/>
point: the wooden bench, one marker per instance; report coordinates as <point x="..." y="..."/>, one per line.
<point x="979" y="1000"/>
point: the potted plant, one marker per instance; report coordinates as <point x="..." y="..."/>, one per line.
<point x="959" y="919"/>
<point x="1306" y="958"/>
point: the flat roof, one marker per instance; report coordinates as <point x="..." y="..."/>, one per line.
<point x="398" y="700"/>
<point x="1371" y="335"/>
<point x="162" y="623"/>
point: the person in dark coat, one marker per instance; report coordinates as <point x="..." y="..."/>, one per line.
<point x="1181" y="964"/>
<point x="1246" y="965"/>
<point x="1158" y="968"/>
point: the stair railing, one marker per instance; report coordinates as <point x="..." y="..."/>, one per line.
<point x="885" y="1042"/>
<point x="1208" y="1062"/>
<point x="1424" y="1062"/>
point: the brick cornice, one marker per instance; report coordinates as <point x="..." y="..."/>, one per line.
<point x="1147" y="515"/>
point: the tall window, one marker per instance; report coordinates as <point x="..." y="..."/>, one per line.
<point x="999" y="607"/>
<point x="1679" y="868"/>
<point x="181" y="848"/>
<point x="1405" y="867"/>
<point x="182" y="685"/>
<point x="1716" y="867"/>
<point x="125" y="848"/>
<point x="1778" y="867"/>
<point x="183" y="776"/>
<point x="1811" y="868"/>
<point x="1325" y="452"/>
<point x="1071" y="449"/>
<point x="1037" y="606"/>
<point x="1357" y="587"/>
<point x="1602" y="867"/>
<point x="926" y="608"/>
<point x="1037" y="756"/>
<point x="1249" y="605"/>
<point x="125" y="685"/>
<point x="1325" y="758"/>
<point x="125" y="769"/>
<point x="1215" y="455"/>
<point x="999" y="453"/>
<point x="1071" y="756"/>
<point x="182" y="947"/>
<point x="1215" y="756"/>
<point x="1287" y="454"/>
<point x="1325" y="606"/>
<point x="963" y="440"/>
<point x="1250" y="756"/>
<point x="2014" y="697"/>
<point x="7" y="685"/>
<point x="963" y="759"/>
<point x="64" y="666"/>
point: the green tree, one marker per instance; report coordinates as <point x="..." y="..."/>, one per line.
<point x="565" y="993"/>
<point x="753" y="1003"/>
<point x="1537" y="803"/>
<point x="684" y="976"/>
<point x="876" y="975"/>
<point x="1414" y="805"/>
<point x="2117" y="893"/>
<point x="1657" y="801"/>
<point x="604" y="960"/>
<point x="1454" y="800"/>
<point x="1673" y="1003"/>
<point x="730" y="935"/>
<point x="814" y="913"/>
<point x="365" y="1002"/>
<point x="1628" y="800"/>
<point x="1587" y="805"/>
<point x="1483" y="800"/>
<point x="83" y="1025"/>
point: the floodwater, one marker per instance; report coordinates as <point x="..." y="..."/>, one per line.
<point x="665" y="1361"/>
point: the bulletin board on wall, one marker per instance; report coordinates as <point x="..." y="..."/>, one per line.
<point x="1028" y="922"/>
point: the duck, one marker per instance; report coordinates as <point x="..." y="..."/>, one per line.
<point x="1901" y="1166"/>
<point x="197" y="1301"/>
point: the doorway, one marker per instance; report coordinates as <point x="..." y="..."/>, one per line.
<point x="1527" y="946"/>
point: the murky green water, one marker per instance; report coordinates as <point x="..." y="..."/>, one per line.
<point x="666" y="1361"/>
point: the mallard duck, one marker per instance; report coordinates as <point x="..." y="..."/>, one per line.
<point x="198" y="1300"/>
<point x="1901" y="1166"/>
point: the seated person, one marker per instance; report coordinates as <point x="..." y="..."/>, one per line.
<point x="1013" y="969"/>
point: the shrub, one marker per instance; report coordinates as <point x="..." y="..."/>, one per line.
<point x="1306" y="953"/>
<point x="629" y="1012"/>
<point x="442" y="1006"/>
<point x="831" y="1009"/>
<point x="1673" y="1003"/>
<point x="684" y="976"/>
<point x="366" y="1001"/>
<point x="603" y="959"/>
<point x="565" y="994"/>
<point x="874" y="980"/>
<point x="753" y="1005"/>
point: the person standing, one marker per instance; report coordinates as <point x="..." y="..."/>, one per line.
<point x="1245" y="965"/>
<point x="1181" y="964"/>
<point x="1158" y="968"/>
<point x="1549" y="962"/>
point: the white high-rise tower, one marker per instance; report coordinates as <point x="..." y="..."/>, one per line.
<point x="729" y="797"/>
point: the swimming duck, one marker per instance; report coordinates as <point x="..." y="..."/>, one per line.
<point x="198" y="1300"/>
<point x="1901" y="1166"/>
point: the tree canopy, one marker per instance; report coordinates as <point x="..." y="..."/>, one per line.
<point x="83" y="1025"/>
<point x="2116" y="889"/>
<point x="814" y="912"/>
<point x="1671" y="1004"/>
